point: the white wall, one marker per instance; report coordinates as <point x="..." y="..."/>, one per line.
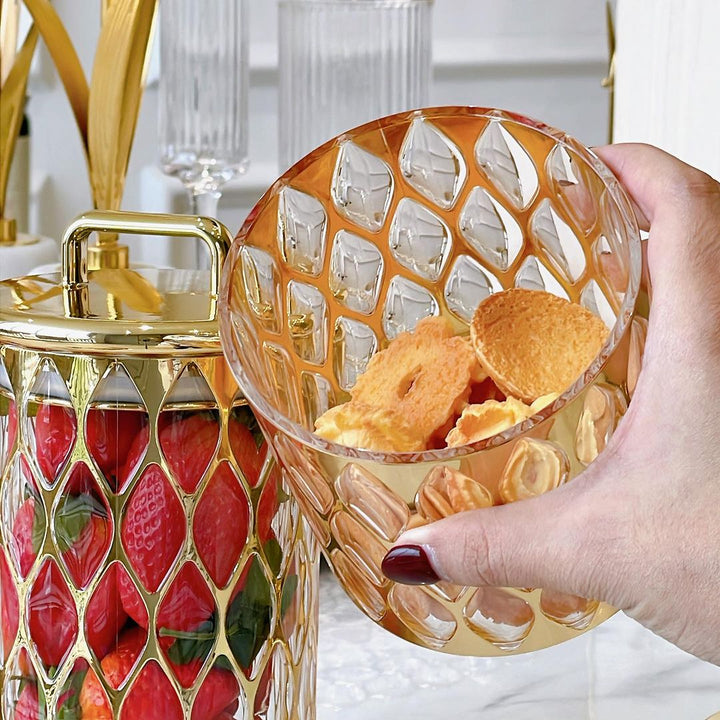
<point x="668" y="78"/>
<point x="544" y="59"/>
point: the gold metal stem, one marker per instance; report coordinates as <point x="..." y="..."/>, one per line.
<point x="8" y="231"/>
<point x="609" y="80"/>
<point x="9" y="16"/>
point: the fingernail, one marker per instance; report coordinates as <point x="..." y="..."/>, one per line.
<point x="410" y="565"/>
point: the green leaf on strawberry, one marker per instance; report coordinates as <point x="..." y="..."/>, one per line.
<point x="288" y="593"/>
<point x="273" y="555"/>
<point x="191" y="645"/>
<point x="70" y="697"/>
<point x="73" y="516"/>
<point x="249" y="616"/>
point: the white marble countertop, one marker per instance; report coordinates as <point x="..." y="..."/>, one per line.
<point x="620" y="671"/>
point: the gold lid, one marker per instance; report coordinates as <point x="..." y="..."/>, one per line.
<point x="114" y="311"/>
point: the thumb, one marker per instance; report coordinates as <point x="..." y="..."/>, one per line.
<point x="562" y="540"/>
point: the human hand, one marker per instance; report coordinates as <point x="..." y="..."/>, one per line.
<point x="640" y="528"/>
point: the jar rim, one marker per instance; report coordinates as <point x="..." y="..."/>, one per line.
<point x="300" y="434"/>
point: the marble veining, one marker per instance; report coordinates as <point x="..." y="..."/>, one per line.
<point x="619" y="671"/>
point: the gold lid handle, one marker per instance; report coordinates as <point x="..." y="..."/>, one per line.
<point x="74" y="246"/>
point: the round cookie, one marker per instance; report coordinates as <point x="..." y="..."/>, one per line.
<point x="533" y="343"/>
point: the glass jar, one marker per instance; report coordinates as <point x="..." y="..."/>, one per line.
<point x="152" y="563"/>
<point x="344" y="62"/>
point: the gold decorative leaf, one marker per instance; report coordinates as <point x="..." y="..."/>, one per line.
<point x="9" y="17"/>
<point x="66" y="60"/>
<point x="130" y="287"/>
<point x="116" y="91"/>
<point x="12" y="101"/>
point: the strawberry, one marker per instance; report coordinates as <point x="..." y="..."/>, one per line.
<point x="218" y="696"/>
<point x="186" y="623"/>
<point x="247" y="443"/>
<point x="220" y="524"/>
<point x="82" y="528"/>
<point x="152" y="696"/>
<point x="109" y="435"/>
<point x="28" y="531"/>
<point x="135" y="454"/>
<point x="55" y="429"/>
<point x="29" y="706"/>
<point x="9" y="608"/>
<point x="268" y="506"/>
<point x="51" y="615"/>
<point x="105" y="615"/>
<point x="249" y="615"/>
<point x="153" y="529"/>
<point x="188" y="440"/>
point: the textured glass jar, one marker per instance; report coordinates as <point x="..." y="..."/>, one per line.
<point x="345" y="62"/>
<point x="152" y="565"/>
<point x="419" y="214"/>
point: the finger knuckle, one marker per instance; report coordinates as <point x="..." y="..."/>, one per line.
<point x="481" y="556"/>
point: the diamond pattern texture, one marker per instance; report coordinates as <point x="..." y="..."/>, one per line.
<point x="149" y="528"/>
<point x="466" y="202"/>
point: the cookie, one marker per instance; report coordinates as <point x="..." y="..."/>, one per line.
<point x="478" y="422"/>
<point x="532" y="343"/>
<point x="358" y="425"/>
<point x="425" y="377"/>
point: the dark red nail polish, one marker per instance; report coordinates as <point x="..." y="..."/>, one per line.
<point x="410" y="565"/>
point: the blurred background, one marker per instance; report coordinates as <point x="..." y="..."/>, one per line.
<point x="543" y="59"/>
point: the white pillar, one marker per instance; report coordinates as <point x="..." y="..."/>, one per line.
<point x="667" y="81"/>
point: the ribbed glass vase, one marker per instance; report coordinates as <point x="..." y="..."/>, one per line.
<point x="344" y="62"/>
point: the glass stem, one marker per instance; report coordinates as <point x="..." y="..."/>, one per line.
<point x="204" y="203"/>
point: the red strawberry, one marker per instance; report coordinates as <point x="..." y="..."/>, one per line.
<point x="188" y="441"/>
<point x="218" y="696"/>
<point x="150" y="698"/>
<point x="153" y="530"/>
<point x="117" y="666"/>
<point x="9" y="615"/>
<point x="134" y="456"/>
<point x="82" y="526"/>
<point x="51" y="615"/>
<point x="29" y="706"/>
<point x="55" y="429"/>
<point x="267" y="507"/>
<point x="105" y="615"/>
<point x="28" y="532"/>
<point x="247" y="443"/>
<point x="220" y="525"/>
<point x="187" y="623"/>
<point x="109" y="435"/>
<point x="262" y="693"/>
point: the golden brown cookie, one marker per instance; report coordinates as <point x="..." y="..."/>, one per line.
<point x="424" y="377"/>
<point x="358" y="425"/>
<point x="478" y="422"/>
<point x="532" y="343"/>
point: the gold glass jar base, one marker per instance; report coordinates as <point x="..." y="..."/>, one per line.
<point x="261" y="579"/>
